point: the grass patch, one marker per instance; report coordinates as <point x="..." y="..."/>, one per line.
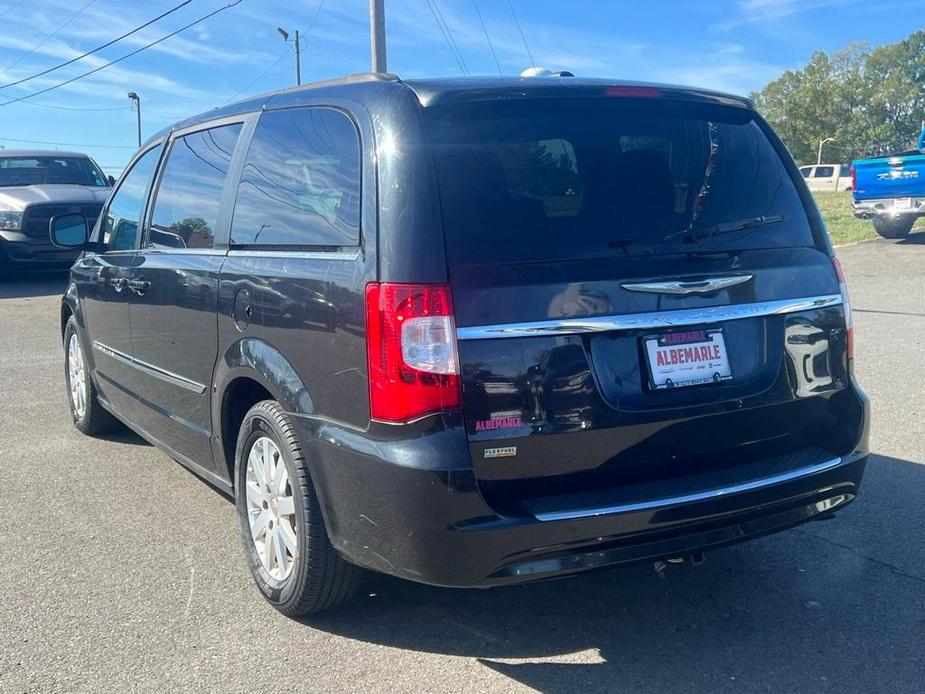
<point x="843" y="227"/>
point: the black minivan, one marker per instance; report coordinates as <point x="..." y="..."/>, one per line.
<point x="472" y="332"/>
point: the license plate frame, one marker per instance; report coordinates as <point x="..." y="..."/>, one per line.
<point x="902" y="204"/>
<point x="703" y="359"/>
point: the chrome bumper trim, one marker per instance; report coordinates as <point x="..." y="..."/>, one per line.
<point x="694" y="497"/>
<point x="647" y="321"/>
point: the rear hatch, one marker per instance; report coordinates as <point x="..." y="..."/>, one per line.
<point x="899" y="176"/>
<point x="639" y="296"/>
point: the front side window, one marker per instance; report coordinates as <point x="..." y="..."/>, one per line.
<point x="301" y="181"/>
<point x="50" y="170"/>
<point x="119" y="228"/>
<point x="189" y="194"/>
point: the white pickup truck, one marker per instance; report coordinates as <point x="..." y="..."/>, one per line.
<point x="827" y="176"/>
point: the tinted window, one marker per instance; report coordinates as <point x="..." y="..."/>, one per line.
<point x="27" y="171"/>
<point x="190" y="190"/>
<point x="557" y="179"/>
<point x="301" y="181"/>
<point x="119" y="227"/>
<point x="824" y="172"/>
<point x="845" y="171"/>
<point x="806" y="171"/>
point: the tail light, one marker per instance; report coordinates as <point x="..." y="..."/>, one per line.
<point x="411" y="347"/>
<point x="849" y="322"/>
<point x="854" y="178"/>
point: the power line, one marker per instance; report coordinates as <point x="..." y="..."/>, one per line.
<point x="487" y="37"/>
<point x="522" y="37"/>
<point x="65" y="144"/>
<point x="98" y="48"/>
<point x="257" y="78"/>
<point x="11" y="8"/>
<point x="446" y="37"/>
<point x="120" y="59"/>
<point x="269" y="67"/>
<point x="449" y="33"/>
<point x="51" y="35"/>
<point x="78" y="108"/>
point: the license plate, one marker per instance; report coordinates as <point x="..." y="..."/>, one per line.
<point x="902" y="204"/>
<point x="692" y="358"/>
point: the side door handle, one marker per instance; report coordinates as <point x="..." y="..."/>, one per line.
<point x="138" y="286"/>
<point x="118" y="283"/>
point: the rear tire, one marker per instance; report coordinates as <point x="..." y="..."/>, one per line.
<point x="895" y="228"/>
<point x="86" y="411"/>
<point x="285" y="540"/>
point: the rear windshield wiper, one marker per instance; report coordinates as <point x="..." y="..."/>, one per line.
<point x="729" y="227"/>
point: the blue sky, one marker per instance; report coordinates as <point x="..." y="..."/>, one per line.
<point x="735" y="45"/>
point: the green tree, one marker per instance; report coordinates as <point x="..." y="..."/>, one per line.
<point x="871" y="100"/>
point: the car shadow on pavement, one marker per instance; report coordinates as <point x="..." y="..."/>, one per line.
<point x="916" y="238"/>
<point x="21" y="286"/>
<point x="830" y="606"/>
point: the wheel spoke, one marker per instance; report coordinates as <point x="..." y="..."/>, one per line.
<point x="279" y="552"/>
<point x="286" y="505"/>
<point x="255" y="462"/>
<point x="289" y="538"/>
<point x="259" y="523"/>
<point x="255" y="495"/>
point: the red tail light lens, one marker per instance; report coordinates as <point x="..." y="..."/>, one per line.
<point x="854" y="178"/>
<point x="411" y="347"/>
<point x="849" y="322"/>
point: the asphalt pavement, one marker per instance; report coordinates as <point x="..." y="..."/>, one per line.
<point x="121" y="571"/>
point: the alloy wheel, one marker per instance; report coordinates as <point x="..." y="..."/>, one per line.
<point x="77" y="376"/>
<point x="271" y="508"/>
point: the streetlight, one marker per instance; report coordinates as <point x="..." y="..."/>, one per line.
<point x="298" y="51"/>
<point x="137" y="99"/>
<point x="822" y="142"/>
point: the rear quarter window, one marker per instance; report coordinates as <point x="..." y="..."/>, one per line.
<point x="300" y="186"/>
<point x="546" y="180"/>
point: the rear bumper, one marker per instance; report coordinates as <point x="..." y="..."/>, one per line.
<point x="868" y="209"/>
<point x="27" y="251"/>
<point x="393" y="508"/>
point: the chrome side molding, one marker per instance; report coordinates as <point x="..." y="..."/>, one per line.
<point x="647" y="321"/>
<point x="690" y="498"/>
<point x="150" y="369"/>
<point x="680" y="287"/>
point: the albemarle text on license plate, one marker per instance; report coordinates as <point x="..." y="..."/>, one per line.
<point x="688" y="358"/>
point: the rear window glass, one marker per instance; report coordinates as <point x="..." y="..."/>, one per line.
<point x="571" y="178"/>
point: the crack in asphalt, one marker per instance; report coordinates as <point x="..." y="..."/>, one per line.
<point x="857" y="553"/>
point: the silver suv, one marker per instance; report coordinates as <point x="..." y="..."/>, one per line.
<point x="36" y="185"/>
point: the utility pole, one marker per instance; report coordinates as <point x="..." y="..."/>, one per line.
<point x="137" y="99"/>
<point x="377" y="34"/>
<point x="298" y="52"/>
<point x="821" y="143"/>
<point x="298" y="60"/>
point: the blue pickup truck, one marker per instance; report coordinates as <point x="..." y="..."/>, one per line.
<point x="891" y="190"/>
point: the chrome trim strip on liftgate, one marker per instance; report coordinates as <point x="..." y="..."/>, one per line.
<point x="150" y="369"/>
<point x="647" y="321"/>
<point x="690" y="498"/>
